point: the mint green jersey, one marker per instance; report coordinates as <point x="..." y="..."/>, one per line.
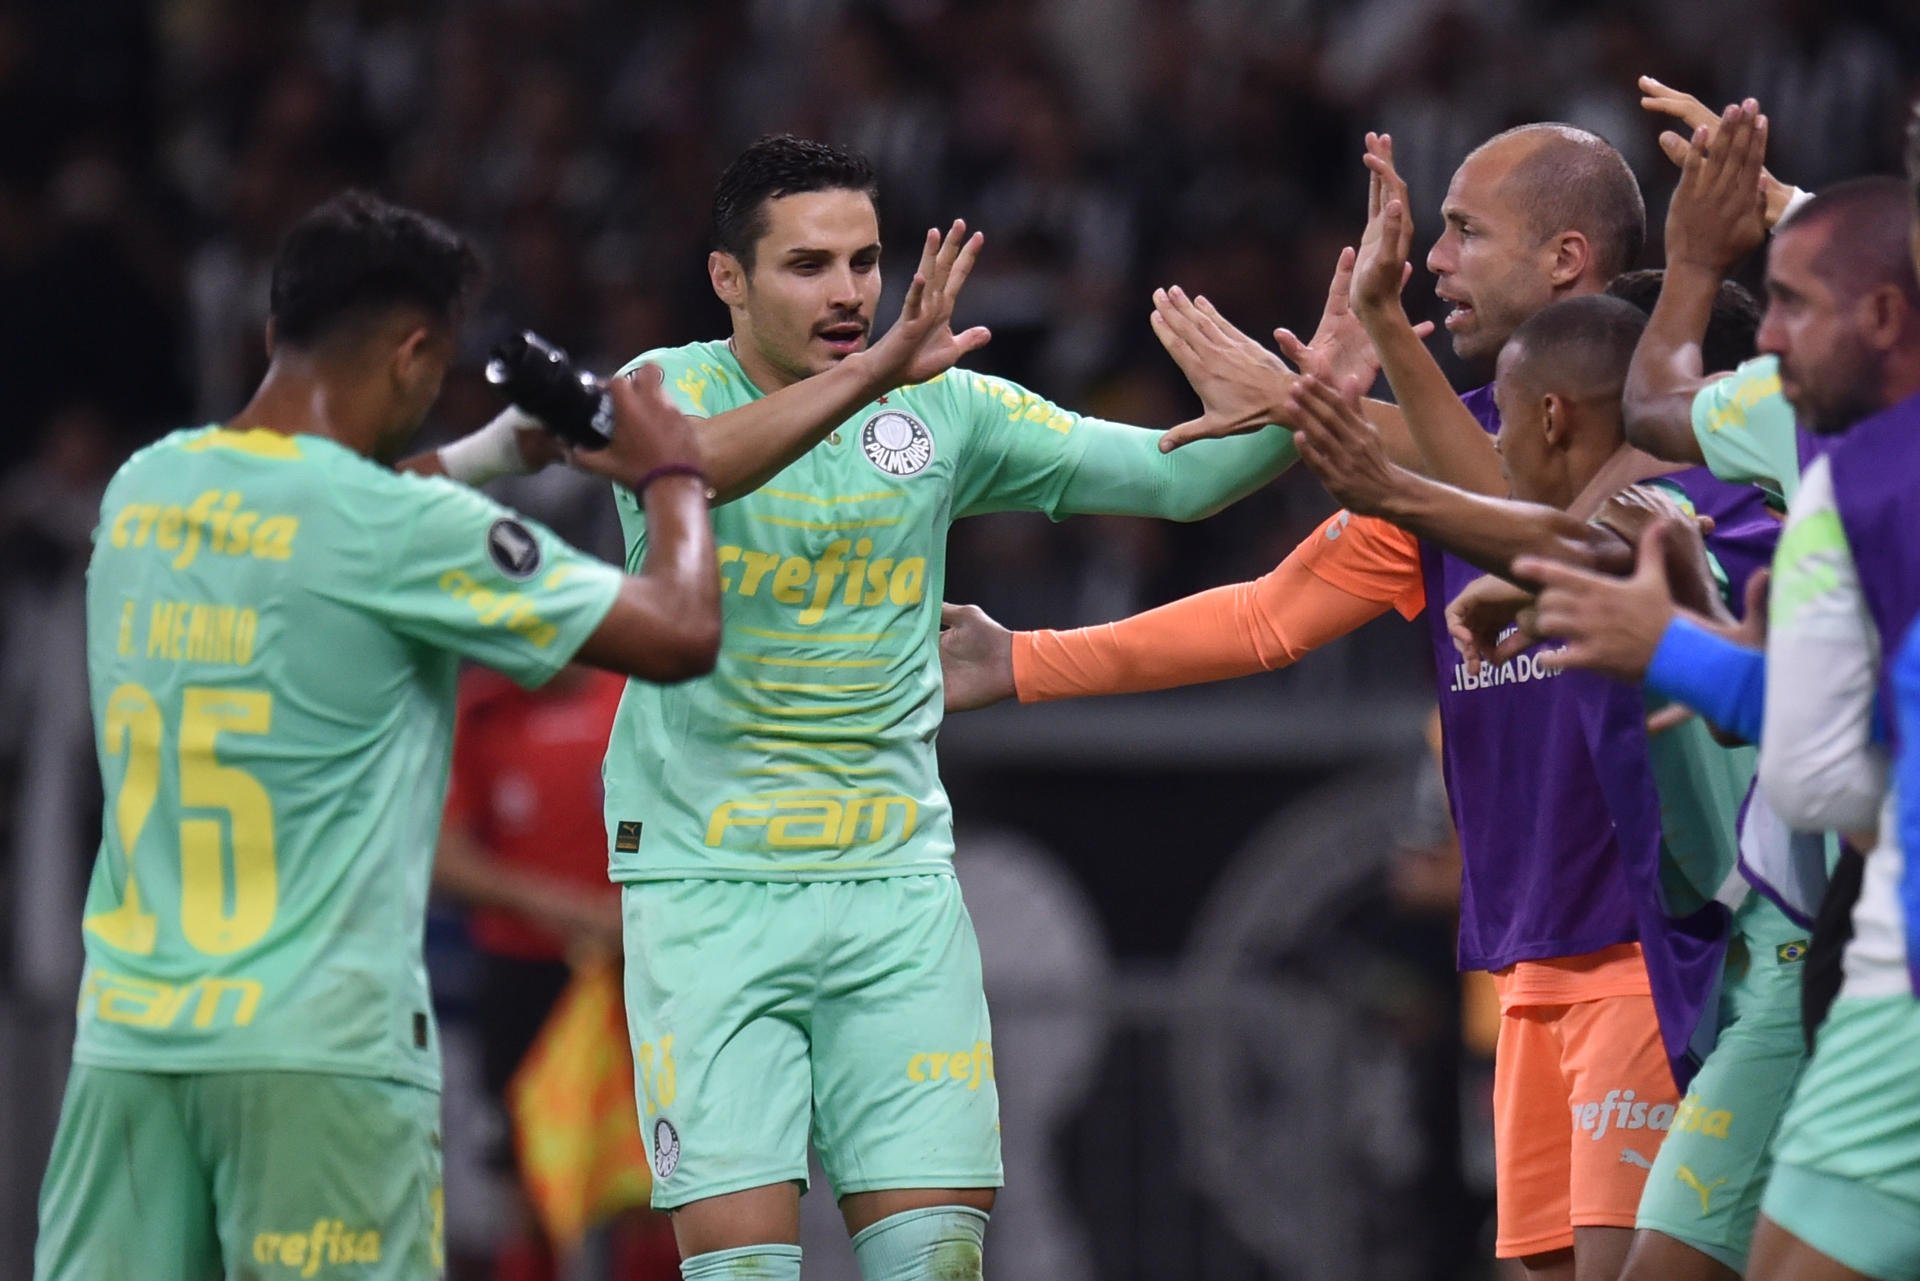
<point x="1701" y="785"/>
<point x="274" y="626"/>
<point x="808" y="754"/>
<point x="1746" y="430"/>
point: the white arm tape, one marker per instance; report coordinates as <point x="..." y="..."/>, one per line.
<point x="491" y="452"/>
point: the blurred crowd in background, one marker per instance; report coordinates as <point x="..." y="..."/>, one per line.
<point x="151" y="154"/>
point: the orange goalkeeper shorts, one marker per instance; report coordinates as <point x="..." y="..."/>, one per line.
<point x="1582" y="1097"/>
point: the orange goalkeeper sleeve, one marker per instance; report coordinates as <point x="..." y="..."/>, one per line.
<point x="1347" y="572"/>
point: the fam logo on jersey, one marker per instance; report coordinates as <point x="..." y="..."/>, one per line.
<point x="898" y="444"/>
<point x="514" y="549"/>
<point x="666" y="1148"/>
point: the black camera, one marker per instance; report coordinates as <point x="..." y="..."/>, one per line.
<point x="540" y="379"/>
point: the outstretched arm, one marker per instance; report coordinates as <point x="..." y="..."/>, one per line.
<point x="1345" y="574"/>
<point x="1716" y="220"/>
<point x="1344" y="452"/>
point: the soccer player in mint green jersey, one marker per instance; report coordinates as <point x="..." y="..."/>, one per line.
<point x="274" y="623"/>
<point x="799" y="964"/>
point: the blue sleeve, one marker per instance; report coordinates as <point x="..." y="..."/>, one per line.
<point x="1724" y="682"/>
<point x="1906" y="764"/>
<point x="1906" y="776"/>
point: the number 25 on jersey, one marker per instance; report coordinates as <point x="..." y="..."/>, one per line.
<point x="215" y="919"/>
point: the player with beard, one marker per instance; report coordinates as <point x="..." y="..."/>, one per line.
<point x="1841" y="321"/>
<point x="1536" y="215"/>
<point x="1845" y="1200"/>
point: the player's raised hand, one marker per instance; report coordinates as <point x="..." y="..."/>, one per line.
<point x="1691" y="114"/>
<point x="1718" y="215"/>
<point x="976" y="658"/>
<point x="1239" y="382"/>
<point x="1381" y="269"/>
<point x="1479" y="619"/>
<point x="1610" y="625"/>
<point x="922" y="344"/>
<point x="649" y="433"/>
<point x="1339" y="446"/>
<point x="1340" y="348"/>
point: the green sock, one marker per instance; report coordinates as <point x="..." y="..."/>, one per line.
<point x="941" y="1242"/>
<point x="748" y="1263"/>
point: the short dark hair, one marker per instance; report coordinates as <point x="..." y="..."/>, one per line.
<point x="1870" y="242"/>
<point x="357" y="256"/>
<point x="1573" y="180"/>
<point x="780" y="165"/>
<point x="1581" y="346"/>
<point x="1733" y="328"/>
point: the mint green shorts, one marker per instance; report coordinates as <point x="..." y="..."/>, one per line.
<point x="1848" y="1176"/>
<point x="763" y="1013"/>
<point x="199" y="1176"/>
<point x="1714" y="1164"/>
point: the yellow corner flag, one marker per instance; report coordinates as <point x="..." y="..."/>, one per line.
<point x="575" y="1124"/>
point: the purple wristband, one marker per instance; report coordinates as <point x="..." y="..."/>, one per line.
<point x="671" y="469"/>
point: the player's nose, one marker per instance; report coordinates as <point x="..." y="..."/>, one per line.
<point x="845" y="286"/>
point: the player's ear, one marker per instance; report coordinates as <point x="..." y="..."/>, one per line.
<point x="1553" y="419"/>
<point x="413" y="356"/>
<point x="272" y="338"/>
<point x="729" y="278"/>
<point x="1888" y="316"/>
<point x="1572" y="255"/>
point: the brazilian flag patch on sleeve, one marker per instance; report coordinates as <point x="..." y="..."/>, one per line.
<point x="1794" y="951"/>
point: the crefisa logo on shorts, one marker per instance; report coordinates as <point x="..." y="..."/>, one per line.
<point x="666" y="1148"/>
<point x="1618" y="1111"/>
<point x="897" y="443"/>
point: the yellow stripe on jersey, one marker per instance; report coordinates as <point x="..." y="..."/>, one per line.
<point x="836" y="500"/>
<point x="811" y="662"/>
<point x="805" y="744"/>
<point x="805" y="687"/>
<point x="257" y="441"/>
<point x="765" y="709"/>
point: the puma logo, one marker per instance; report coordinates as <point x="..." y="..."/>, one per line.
<point x="1629" y="1157"/>
<point x="1705" y="1190"/>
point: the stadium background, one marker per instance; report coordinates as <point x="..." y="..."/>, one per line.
<point x="1215" y="922"/>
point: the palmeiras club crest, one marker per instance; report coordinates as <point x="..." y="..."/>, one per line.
<point x="897" y="443"/>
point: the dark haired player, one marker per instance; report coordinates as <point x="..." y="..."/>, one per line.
<point x="799" y="963"/>
<point x="274" y="623"/>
